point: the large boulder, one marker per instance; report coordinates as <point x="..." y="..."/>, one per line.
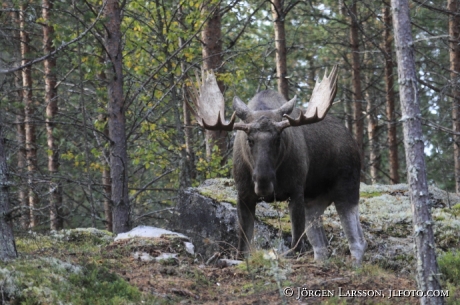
<point x="207" y="214"/>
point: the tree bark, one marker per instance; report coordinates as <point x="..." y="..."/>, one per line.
<point x="188" y="165"/>
<point x="211" y="36"/>
<point x="454" y="55"/>
<point x="20" y="132"/>
<point x="278" y="14"/>
<point x="372" y="133"/>
<point x="356" y="81"/>
<point x="30" y="137"/>
<point x="116" y="115"/>
<point x="390" y="98"/>
<point x="107" y="183"/>
<point x="51" y="101"/>
<point x="7" y="244"/>
<point x="427" y="268"/>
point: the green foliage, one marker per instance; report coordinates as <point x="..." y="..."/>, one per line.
<point x="449" y="266"/>
<point x="214" y="167"/>
<point x="52" y="281"/>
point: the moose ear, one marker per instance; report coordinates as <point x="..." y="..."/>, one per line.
<point x="287" y="107"/>
<point x="242" y="111"/>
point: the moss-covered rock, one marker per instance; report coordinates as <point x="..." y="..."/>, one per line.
<point x="48" y="280"/>
<point x="92" y="235"/>
<point x="385" y="213"/>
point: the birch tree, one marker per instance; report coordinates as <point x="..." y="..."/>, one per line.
<point x="427" y="268"/>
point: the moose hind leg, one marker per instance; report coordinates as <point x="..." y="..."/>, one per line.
<point x="349" y="217"/>
<point x="315" y="230"/>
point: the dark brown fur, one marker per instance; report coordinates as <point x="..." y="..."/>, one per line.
<point x="311" y="164"/>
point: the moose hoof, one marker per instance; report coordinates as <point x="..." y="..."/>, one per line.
<point x="357" y="253"/>
<point x="321" y="254"/>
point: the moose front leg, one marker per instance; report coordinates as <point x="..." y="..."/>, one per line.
<point x="246" y="214"/>
<point x="297" y="214"/>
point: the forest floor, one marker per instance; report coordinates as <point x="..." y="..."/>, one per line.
<point x="263" y="279"/>
<point x="87" y="266"/>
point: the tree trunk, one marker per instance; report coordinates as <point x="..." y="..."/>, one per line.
<point x="372" y="133"/>
<point x="30" y="137"/>
<point x="187" y="168"/>
<point x="55" y="188"/>
<point x="356" y="81"/>
<point x="7" y="244"/>
<point x="280" y="46"/>
<point x="107" y="184"/>
<point x="454" y="54"/>
<point x="20" y="133"/>
<point x="427" y="268"/>
<point x="105" y="160"/>
<point x="116" y="117"/>
<point x="390" y="98"/>
<point x="212" y="60"/>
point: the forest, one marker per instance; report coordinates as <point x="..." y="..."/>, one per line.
<point x="95" y="95"/>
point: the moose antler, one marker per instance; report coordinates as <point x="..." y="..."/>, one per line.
<point x="210" y="104"/>
<point x="321" y="100"/>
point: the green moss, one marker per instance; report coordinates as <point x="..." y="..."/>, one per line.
<point x="52" y="281"/>
<point x="218" y="196"/>
<point x="283" y="222"/>
<point x="33" y="242"/>
<point x="220" y="189"/>
<point x="455" y="210"/>
<point x="370" y="194"/>
<point x="84" y="235"/>
<point x="449" y="266"/>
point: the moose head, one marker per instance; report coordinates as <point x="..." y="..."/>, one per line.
<point x="263" y="126"/>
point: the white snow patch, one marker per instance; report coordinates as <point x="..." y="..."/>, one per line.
<point x="189" y="247"/>
<point x="143" y="256"/>
<point x="165" y="256"/>
<point x="146" y="231"/>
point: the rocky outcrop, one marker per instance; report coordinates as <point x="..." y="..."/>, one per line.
<point x="207" y="214"/>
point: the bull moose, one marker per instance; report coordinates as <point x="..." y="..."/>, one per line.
<point x="283" y="153"/>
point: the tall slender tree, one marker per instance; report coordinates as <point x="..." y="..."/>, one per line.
<point x="356" y="79"/>
<point x="7" y="244"/>
<point x="427" y="268"/>
<point x="211" y="37"/>
<point x="390" y="96"/>
<point x="372" y="132"/>
<point x="454" y="54"/>
<point x="279" y="15"/>
<point x="116" y="117"/>
<point x="51" y="102"/>
<point x="20" y="130"/>
<point x="30" y="137"/>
